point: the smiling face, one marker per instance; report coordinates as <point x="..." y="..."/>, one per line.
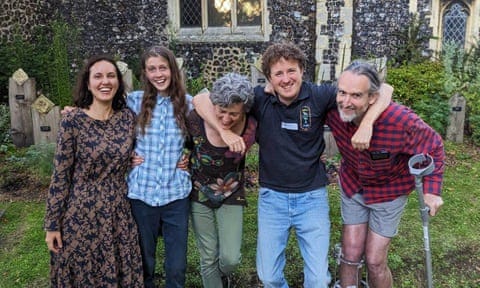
<point x="286" y="79"/>
<point x="353" y="97"/>
<point x="103" y="81"/>
<point x="158" y="73"/>
<point x="230" y="117"/>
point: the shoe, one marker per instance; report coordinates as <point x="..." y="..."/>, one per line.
<point x="226" y="281"/>
<point x="337" y="284"/>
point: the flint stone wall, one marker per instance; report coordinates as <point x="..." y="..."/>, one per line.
<point x="377" y="24"/>
<point x="125" y="27"/>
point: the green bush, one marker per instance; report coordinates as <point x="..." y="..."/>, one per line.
<point x="435" y="115"/>
<point x="61" y="80"/>
<point x="194" y="85"/>
<point x="412" y="40"/>
<point x="420" y="85"/>
<point x="473" y="124"/>
<point x="37" y="160"/>
<point x="18" y="53"/>
<point x="5" y="125"/>
<point x="462" y="76"/>
<point x="47" y="57"/>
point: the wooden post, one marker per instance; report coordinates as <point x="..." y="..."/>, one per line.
<point x="127" y="75"/>
<point x="128" y="80"/>
<point x="45" y="125"/>
<point x="20" y="99"/>
<point x="257" y="76"/>
<point x="456" y="118"/>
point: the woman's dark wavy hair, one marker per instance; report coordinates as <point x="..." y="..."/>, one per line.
<point x="83" y="98"/>
<point x="176" y="90"/>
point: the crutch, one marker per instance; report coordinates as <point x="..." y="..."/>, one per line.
<point x="421" y="165"/>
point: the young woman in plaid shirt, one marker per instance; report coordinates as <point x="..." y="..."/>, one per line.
<point x="157" y="188"/>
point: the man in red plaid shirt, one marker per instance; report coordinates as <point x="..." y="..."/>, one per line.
<point x="375" y="182"/>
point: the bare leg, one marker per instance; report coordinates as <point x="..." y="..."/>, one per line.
<point x="379" y="275"/>
<point x="353" y="248"/>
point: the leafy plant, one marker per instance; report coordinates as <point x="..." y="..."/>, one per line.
<point x="5" y="125"/>
<point x="14" y="54"/>
<point x="39" y="159"/>
<point x="418" y="86"/>
<point x="60" y="78"/>
<point x="194" y="85"/>
<point x="435" y="115"/>
<point x="462" y="76"/>
<point x="412" y="40"/>
<point x="36" y="161"/>
<point x="48" y="57"/>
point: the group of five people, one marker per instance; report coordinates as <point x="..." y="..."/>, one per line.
<point x="92" y="214"/>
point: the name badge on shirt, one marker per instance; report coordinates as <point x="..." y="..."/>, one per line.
<point x="290" y="126"/>
<point x="379" y="155"/>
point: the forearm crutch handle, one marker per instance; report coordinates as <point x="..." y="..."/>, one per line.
<point x="421" y="165"/>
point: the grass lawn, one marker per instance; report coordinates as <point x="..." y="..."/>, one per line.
<point x="454" y="235"/>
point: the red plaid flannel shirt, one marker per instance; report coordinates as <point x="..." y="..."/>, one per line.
<point x="381" y="173"/>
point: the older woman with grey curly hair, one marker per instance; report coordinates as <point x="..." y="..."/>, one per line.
<point x="232" y="89"/>
<point x="218" y="192"/>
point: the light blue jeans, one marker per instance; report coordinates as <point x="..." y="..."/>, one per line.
<point x="308" y="214"/>
<point x="218" y="233"/>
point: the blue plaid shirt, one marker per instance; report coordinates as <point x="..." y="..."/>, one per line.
<point x="157" y="181"/>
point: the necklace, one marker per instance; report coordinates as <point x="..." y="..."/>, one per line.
<point x="98" y="115"/>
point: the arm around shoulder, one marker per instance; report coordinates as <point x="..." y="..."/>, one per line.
<point x="204" y="107"/>
<point x="361" y="139"/>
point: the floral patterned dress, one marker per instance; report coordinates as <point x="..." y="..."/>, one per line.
<point x="87" y="203"/>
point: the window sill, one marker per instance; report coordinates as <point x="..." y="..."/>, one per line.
<point x="187" y="35"/>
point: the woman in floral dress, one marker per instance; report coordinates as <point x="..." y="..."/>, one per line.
<point x="91" y="232"/>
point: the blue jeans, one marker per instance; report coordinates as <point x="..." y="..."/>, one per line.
<point x="171" y="221"/>
<point x="308" y="214"/>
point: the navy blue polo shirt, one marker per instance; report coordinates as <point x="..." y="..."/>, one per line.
<point x="291" y="138"/>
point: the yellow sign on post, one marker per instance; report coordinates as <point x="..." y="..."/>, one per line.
<point x="43" y="104"/>
<point x="20" y="77"/>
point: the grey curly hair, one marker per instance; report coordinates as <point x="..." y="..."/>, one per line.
<point x="232" y="88"/>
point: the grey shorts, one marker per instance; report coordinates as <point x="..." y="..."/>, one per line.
<point x="382" y="218"/>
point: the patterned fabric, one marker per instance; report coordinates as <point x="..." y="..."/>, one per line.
<point x="157" y="181"/>
<point x="381" y="173"/>
<point x="217" y="174"/>
<point x="87" y="203"/>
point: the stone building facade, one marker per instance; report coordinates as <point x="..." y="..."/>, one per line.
<point x="331" y="32"/>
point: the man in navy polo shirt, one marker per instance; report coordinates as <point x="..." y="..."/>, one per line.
<point x="292" y="179"/>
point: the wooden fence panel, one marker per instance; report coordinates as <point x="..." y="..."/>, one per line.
<point x="456" y="118"/>
<point x="21" y="98"/>
<point x="257" y="76"/>
<point x="45" y="125"/>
